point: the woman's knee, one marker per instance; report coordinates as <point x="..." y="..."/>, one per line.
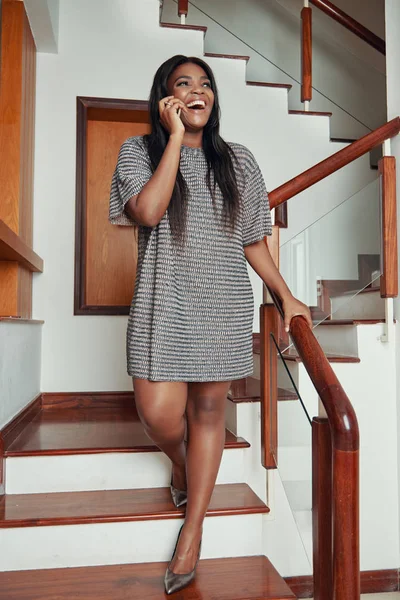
<point x="207" y="410"/>
<point x="158" y="410"/>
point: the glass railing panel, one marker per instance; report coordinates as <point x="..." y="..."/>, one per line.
<point x="334" y="266"/>
<point x="345" y="68"/>
<point x="293" y="455"/>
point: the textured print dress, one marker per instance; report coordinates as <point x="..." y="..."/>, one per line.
<point x="191" y="316"/>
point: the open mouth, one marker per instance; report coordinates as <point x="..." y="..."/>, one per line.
<point x="196" y="105"/>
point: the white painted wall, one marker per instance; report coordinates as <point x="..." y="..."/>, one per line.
<point x="345" y="69"/>
<point x="393" y="105"/>
<point x="43" y="18"/>
<point x="20" y="357"/>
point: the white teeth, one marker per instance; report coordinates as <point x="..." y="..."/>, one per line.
<point x="196" y="103"/>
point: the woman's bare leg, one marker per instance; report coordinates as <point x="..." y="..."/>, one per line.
<point x="206" y="439"/>
<point x="161" y="407"/>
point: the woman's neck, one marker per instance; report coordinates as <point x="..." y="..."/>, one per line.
<point x="193" y="139"/>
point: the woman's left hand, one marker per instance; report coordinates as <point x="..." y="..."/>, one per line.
<point x="292" y="308"/>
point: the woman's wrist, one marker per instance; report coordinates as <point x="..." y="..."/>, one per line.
<point x="176" y="139"/>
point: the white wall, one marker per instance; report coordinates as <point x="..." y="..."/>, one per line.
<point x="113" y="52"/>
<point x="43" y="19"/>
<point x="393" y="104"/>
<point x="345" y="69"/>
<point x="20" y="357"/>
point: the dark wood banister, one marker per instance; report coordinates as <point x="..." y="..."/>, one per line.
<point x="333" y="163"/>
<point x="351" y="24"/>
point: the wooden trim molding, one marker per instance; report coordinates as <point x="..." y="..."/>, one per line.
<point x="333" y="163"/>
<point x="372" y="582"/>
<point x="97" y="107"/>
<point x="281" y="216"/>
<point x="306" y="54"/>
<point x="351" y="24"/>
<point x="183" y="7"/>
<point x="13" y="248"/>
<point x="389" y="278"/>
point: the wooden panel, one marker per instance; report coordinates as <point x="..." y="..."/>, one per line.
<point x="88" y="431"/>
<point x="389" y="278"/>
<point x="13" y="15"/>
<point x="12" y="248"/>
<point x="351" y="24"/>
<point x="333" y="163"/>
<point x="250" y="577"/>
<point x="105" y="506"/>
<point x="8" y="289"/>
<point x="27" y="134"/>
<point x="269" y="386"/>
<point x="111" y="251"/>
<point x="306" y="54"/>
<point x="24" y="293"/>
<point x="322" y="509"/>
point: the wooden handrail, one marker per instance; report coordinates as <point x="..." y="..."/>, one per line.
<point x="333" y="163"/>
<point x="183" y="7"/>
<point x="351" y="24"/>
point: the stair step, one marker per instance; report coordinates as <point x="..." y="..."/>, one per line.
<point x="250" y="577"/>
<point x="248" y="390"/>
<point x="332" y="358"/>
<point x="188" y="27"/>
<point x="77" y="508"/>
<point x="234" y="56"/>
<point x="288" y="86"/>
<point x="351" y="322"/>
<point x="310" y="112"/>
<point x="88" y="430"/>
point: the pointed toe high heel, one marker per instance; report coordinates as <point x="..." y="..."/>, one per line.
<point x="174" y="582"/>
<point x="179" y="498"/>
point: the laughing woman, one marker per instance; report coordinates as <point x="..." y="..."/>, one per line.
<point x="202" y="211"/>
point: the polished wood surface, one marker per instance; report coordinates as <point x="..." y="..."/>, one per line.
<point x="105" y="506"/>
<point x="287" y="86"/>
<point x="269" y="386"/>
<point x="311" y="113"/>
<point x="2" y="468"/>
<point x="351" y="24"/>
<point x="346" y="523"/>
<point x="333" y="163"/>
<point x="8" y="289"/>
<point x="372" y="582"/>
<point x="234" y="56"/>
<point x="102" y="250"/>
<point x="248" y="390"/>
<point x="281" y="216"/>
<point x="188" y="27"/>
<point x="13" y="429"/>
<point x="322" y="508"/>
<point x="183" y="7"/>
<point x="12" y="248"/>
<point x="88" y="431"/>
<point x="306" y="54"/>
<point x="24" y="292"/>
<point x="389" y="279"/>
<point x="111" y="252"/>
<point x="250" y="578"/>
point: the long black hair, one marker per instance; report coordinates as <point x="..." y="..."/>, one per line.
<point x="220" y="157"/>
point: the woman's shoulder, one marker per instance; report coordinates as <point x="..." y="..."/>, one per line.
<point x="136" y="141"/>
<point x="244" y="156"/>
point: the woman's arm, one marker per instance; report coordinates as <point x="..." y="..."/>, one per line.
<point x="148" y="207"/>
<point x="260" y="259"/>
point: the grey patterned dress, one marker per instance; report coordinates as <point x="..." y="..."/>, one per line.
<point x="191" y="316"/>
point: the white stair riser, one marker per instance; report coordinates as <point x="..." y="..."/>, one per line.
<point x="339" y="339"/>
<point x="363" y="306"/>
<point x="108" y="471"/>
<point x="122" y="543"/>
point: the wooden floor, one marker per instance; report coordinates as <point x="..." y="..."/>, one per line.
<point x="248" y="578"/>
<point x="71" y="508"/>
<point x="88" y="430"/>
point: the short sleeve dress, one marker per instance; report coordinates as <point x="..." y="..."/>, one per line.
<point x="191" y="315"/>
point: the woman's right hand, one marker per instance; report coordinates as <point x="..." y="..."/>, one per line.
<point x="170" y="109"/>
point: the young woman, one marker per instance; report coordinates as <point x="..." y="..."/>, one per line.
<point x="202" y="211"/>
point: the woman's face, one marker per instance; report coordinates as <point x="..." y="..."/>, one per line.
<point x="189" y="83"/>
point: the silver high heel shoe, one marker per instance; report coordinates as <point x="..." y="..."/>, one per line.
<point x="179" y="498"/>
<point x="173" y="582"/>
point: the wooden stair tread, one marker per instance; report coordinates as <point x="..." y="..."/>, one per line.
<point x="288" y="86"/>
<point x="105" y="506"/>
<point x="310" y="112"/>
<point x="351" y="322"/>
<point x="368" y="290"/>
<point x="88" y="430"/>
<point x="234" y="56"/>
<point x="250" y="578"/>
<point x="189" y="27"/>
<point x="248" y="390"/>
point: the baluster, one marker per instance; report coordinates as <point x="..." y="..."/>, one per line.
<point x="183" y="7"/>
<point x="269" y="385"/>
<point x="306" y="55"/>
